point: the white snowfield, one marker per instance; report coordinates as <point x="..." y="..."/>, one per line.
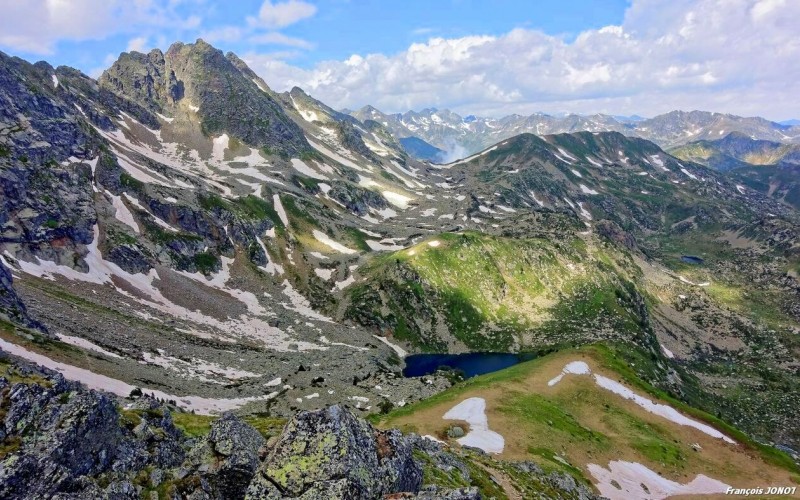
<point x="396" y="348"/>
<point x="473" y="411"/>
<point x="101" y="272"/>
<point x="300" y="304"/>
<point x="630" y="476"/>
<point x="665" y="411"/>
<point x="587" y="190"/>
<point x="199" y="369"/>
<point x="396" y="199"/>
<point x="122" y="213"/>
<point x="689" y="174"/>
<point x="306" y="170"/>
<point x="276" y="199"/>
<point x="335" y="245"/>
<point x="201" y="405"/>
<point x="574" y="367"/>
<point x="336" y="156"/>
<point x="85" y="344"/>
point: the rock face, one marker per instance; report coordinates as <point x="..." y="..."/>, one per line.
<point x="225" y="462"/>
<point x="223" y="92"/>
<point x="58" y="438"/>
<point x="10" y="304"/>
<point x="332" y="454"/>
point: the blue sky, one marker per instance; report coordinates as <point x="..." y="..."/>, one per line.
<point x="481" y="57"/>
<point x="340" y="28"/>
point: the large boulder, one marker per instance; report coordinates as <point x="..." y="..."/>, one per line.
<point x="332" y="454"/>
<point x="226" y="460"/>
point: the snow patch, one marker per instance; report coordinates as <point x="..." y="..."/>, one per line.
<point x="396" y="199"/>
<point x="85" y="344"/>
<point x="689" y="174"/>
<point x="396" y="348"/>
<point x="377" y="246"/>
<point x="574" y="367"/>
<point x="122" y="213"/>
<point x="470" y="158"/>
<point x="662" y="410"/>
<point x="625" y="480"/>
<point x="593" y="161"/>
<point x="218" y="147"/>
<point x="201" y="405"/>
<point x="428" y="212"/>
<point x="335" y="156"/>
<point x="276" y="200"/>
<point x="473" y="411"/>
<point x="564" y="153"/>
<point x="101" y="273"/>
<point x="300" y="304"/>
<point x="658" y="162"/>
<point x="324" y="273"/>
<point x="326" y="240"/>
<point x="341" y="285"/>
<point x="304" y="169"/>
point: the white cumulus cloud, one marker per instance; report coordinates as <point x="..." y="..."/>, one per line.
<point x="138" y="44"/>
<point x="282" y="14"/>
<point x="725" y="55"/>
<point x="35" y="26"/>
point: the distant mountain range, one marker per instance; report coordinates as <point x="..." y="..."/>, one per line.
<point x="773" y="168"/>
<point x="461" y="136"/>
<point x="738" y="150"/>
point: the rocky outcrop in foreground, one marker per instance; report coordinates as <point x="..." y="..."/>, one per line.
<point x="59" y="440"/>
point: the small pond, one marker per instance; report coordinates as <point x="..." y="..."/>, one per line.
<point x="692" y="259"/>
<point x="472" y="364"/>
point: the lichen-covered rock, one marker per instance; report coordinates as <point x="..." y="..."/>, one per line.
<point x="332" y="454"/>
<point x="226" y="460"/>
<point x="58" y="439"/>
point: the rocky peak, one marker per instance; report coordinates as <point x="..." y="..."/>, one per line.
<point x="139" y="77"/>
<point x="219" y="91"/>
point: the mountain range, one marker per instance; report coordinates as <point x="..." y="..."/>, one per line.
<point x="462" y="136"/>
<point x="188" y="242"/>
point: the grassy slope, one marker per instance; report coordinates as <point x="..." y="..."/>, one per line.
<point x="581" y="423"/>
<point x="495" y="293"/>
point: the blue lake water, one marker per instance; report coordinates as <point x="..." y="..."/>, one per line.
<point x="691" y="259"/>
<point x="471" y="364"/>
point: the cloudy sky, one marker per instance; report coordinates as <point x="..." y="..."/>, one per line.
<point x="480" y="57"/>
